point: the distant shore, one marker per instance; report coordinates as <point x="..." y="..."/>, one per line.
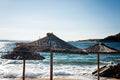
<point x="112" y="38"/>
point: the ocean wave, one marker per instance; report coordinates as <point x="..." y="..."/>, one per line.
<point x="13" y="62"/>
<point x="75" y="63"/>
<point x="62" y="74"/>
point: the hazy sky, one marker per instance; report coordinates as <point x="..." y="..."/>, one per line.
<point x="68" y="19"/>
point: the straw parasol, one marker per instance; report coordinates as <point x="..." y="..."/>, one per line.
<point x="23" y="53"/>
<point x="52" y="43"/>
<point x="100" y="48"/>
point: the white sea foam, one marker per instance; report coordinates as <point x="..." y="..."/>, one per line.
<point x="42" y="70"/>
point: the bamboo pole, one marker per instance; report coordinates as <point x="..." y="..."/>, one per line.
<point x="98" y="66"/>
<point x="24" y="69"/>
<point x="51" y="66"/>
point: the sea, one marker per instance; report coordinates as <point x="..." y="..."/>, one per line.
<point x="75" y="66"/>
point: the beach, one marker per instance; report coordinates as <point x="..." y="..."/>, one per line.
<point x="44" y="79"/>
<point x="66" y="66"/>
<point x="55" y="79"/>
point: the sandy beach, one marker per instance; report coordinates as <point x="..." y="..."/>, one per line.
<point x="113" y="79"/>
<point x="43" y="79"/>
<point x="54" y="79"/>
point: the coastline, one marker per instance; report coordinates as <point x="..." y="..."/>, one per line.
<point x="113" y="79"/>
<point x="41" y="79"/>
<point x="53" y="79"/>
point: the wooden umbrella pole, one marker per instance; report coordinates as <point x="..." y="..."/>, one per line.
<point x="98" y="66"/>
<point x="51" y="66"/>
<point x="24" y="69"/>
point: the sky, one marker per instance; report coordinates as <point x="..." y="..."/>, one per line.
<point x="67" y="19"/>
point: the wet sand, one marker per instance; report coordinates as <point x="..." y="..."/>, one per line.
<point x="113" y="79"/>
<point x="53" y="79"/>
<point x="42" y="79"/>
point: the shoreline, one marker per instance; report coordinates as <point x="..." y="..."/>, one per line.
<point x="113" y="79"/>
<point x="49" y="79"/>
<point x="40" y="79"/>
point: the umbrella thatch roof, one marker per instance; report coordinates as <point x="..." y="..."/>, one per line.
<point x="55" y="44"/>
<point x="23" y="53"/>
<point x="52" y="43"/>
<point x="101" y="48"/>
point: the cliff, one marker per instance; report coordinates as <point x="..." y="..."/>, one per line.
<point x="112" y="38"/>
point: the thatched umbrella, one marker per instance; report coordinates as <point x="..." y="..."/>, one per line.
<point x="101" y="48"/>
<point x="52" y="43"/>
<point x="23" y="53"/>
